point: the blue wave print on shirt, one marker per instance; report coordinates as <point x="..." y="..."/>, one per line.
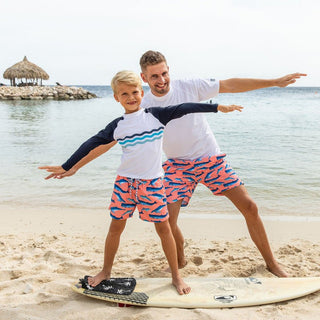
<point x="141" y="138"/>
<point x="142" y="142"/>
<point x="141" y="134"/>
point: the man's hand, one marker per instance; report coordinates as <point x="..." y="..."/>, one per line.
<point x="226" y="109"/>
<point x="246" y="84"/>
<point x="288" y="79"/>
<point x="58" y="172"/>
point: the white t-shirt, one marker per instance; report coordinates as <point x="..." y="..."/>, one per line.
<point x="189" y="137"/>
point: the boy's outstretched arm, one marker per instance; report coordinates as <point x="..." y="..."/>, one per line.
<point x="89" y="150"/>
<point x="57" y="172"/>
<point x="164" y="115"/>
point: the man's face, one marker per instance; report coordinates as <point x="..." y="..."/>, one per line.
<point x="158" y="79"/>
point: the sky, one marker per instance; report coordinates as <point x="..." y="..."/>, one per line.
<point x="87" y="42"/>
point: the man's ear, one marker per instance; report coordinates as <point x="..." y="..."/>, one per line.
<point x="143" y="77"/>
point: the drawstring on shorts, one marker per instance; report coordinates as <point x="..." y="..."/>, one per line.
<point x="135" y="188"/>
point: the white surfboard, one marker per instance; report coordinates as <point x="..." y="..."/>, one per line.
<point x="211" y="292"/>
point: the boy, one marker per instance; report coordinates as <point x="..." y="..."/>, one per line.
<point x="139" y="177"/>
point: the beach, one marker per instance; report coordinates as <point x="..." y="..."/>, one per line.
<point x="53" y="232"/>
<point x="46" y="250"/>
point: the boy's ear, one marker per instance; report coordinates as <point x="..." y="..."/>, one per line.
<point x="116" y="97"/>
<point x="142" y="92"/>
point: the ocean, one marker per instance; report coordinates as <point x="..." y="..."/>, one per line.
<point x="273" y="145"/>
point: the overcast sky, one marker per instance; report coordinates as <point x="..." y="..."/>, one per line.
<point x="87" y="42"/>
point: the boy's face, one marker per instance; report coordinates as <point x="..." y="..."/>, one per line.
<point x="158" y="79"/>
<point x="129" y="96"/>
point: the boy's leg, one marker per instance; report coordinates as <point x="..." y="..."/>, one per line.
<point x="110" y="250"/>
<point x="241" y="199"/>
<point x="169" y="247"/>
<point x="153" y="208"/>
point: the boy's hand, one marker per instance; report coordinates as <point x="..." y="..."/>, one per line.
<point x="226" y="109"/>
<point x="57" y="172"/>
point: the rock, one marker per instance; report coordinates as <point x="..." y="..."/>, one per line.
<point x="39" y="93"/>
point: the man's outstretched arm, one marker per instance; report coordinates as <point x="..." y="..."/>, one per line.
<point x="246" y="84"/>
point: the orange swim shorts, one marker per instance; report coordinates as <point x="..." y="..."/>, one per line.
<point x="182" y="177"/>
<point x="147" y="195"/>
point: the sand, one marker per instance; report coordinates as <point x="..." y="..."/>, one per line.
<point x="45" y="250"/>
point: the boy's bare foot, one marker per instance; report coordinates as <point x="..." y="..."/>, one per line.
<point x="181" y="286"/>
<point x="94" y="281"/>
<point x="277" y="271"/>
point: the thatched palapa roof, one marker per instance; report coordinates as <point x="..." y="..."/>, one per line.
<point x="25" y="69"/>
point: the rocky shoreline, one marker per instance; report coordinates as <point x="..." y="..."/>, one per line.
<point x="45" y="93"/>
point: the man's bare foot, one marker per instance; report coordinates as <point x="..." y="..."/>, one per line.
<point x="182" y="264"/>
<point x="277" y="271"/>
<point x="181" y="286"/>
<point x="94" y="281"/>
<point x="167" y="269"/>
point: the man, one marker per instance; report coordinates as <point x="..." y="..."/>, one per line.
<point x="193" y="153"/>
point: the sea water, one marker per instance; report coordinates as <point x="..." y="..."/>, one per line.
<point x="273" y="145"/>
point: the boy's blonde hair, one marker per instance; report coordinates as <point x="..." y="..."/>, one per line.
<point x="128" y="77"/>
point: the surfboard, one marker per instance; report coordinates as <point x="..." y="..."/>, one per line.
<point x="210" y="292"/>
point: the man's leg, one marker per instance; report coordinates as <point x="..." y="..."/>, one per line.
<point x="180" y="182"/>
<point x="169" y="247"/>
<point x="110" y="250"/>
<point x="174" y="209"/>
<point x="241" y="199"/>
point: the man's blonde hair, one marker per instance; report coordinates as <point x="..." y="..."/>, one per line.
<point x="128" y="77"/>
